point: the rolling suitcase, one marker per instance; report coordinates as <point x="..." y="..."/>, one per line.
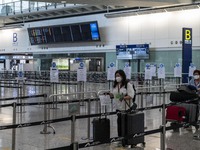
<point x="129" y="124"/>
<point x="175" y="113"/>
<point x="101" y="130"/>
<point x="191" y="112"/>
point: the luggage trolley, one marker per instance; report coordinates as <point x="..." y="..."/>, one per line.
<point x="185" y="112"/>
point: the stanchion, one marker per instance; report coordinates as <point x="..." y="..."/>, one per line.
<point x="56" y="105"/>
<point x="73" y="133"/>
<point x="0" y="90"/>
<point x="89" y="109"/>
<point x="23" y="94"/>
<point x="88" y="125"/>
<point x="163" y="127"/>
<point x="142" y="100"/>
<point x="74" y="146"/>
<point x="45" y="119"/>
<point x="18" y="95"/>
<point x="44" y="131"/>
<point x="14" y="130"/>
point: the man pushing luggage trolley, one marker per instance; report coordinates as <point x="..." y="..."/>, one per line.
<point x="188" y="108"/>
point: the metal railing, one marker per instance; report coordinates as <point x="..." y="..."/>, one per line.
<point x="26" y="6"/>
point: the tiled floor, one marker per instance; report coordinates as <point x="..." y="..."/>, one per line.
<point x="29" y="138"/>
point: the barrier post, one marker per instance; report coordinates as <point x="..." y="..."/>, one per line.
<point x="45" y="117"/>
<point x="163" y="132"/>
<point x="142" y="100"/>
<point x="89" y="107"/>
<point x="23" y="93"/>
<point x="14" y="130"/>
<point x="18" y="95"/>
<point x="56" y="84"/>
<point x="73" y="126"/>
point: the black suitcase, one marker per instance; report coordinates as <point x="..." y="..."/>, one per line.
<point x="129" y="124"/>
<point x="101" y="130"/>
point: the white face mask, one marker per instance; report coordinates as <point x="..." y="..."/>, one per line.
<point x="196" y="76"/>
<point x="118" y="79"/>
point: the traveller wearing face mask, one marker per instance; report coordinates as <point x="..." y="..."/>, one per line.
<point x="122" y="90"/>
<point x="196" y="80"/>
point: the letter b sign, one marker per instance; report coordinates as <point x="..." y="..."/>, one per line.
<point x="187" y="35"/>
<point x="14" y="37"/>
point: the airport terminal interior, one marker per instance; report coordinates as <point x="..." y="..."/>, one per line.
<point x="58" y="60"/>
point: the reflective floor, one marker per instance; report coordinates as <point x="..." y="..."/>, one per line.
<point x="29" y="138"/>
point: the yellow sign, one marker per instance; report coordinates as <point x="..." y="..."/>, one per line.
<point x="187" y="34"/>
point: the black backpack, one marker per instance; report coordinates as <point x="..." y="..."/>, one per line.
<point x="134" y="97"/>
<point x="134" y="105"/>
<point x="183" y="93"/>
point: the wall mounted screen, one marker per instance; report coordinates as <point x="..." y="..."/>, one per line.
<point x="137" y="51"/>
<point x="80" y="32"/>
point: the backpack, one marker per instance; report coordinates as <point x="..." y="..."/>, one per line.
<point x="134" y="105"/>
<point x="134" y="97"/>
<point x="183" y="93"/>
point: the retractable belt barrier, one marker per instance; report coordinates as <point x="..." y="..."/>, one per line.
<point x="22" y="97"/>
<point x="4" y="86"/>
<point x="69" y="118"/>
<point x="140" y="93"/>
<point x="131" y="136"/>
<point x="42" y="81"/>
<point x="161" y="130"/>
<point x="36" y="84"/>
<point x="74" y="117"/>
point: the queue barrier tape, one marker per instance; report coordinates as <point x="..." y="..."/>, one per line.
<point x="114" y="139"/>
<point x="23" y="97"/>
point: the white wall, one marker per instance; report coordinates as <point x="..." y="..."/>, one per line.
<point x="157" y="29"/>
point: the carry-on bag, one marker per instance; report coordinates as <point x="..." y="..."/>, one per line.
<point x="175" y="114"/>
<point x="101" y="127"/>
<point x="130" y="123"/>
<point x="101" y="130"/>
